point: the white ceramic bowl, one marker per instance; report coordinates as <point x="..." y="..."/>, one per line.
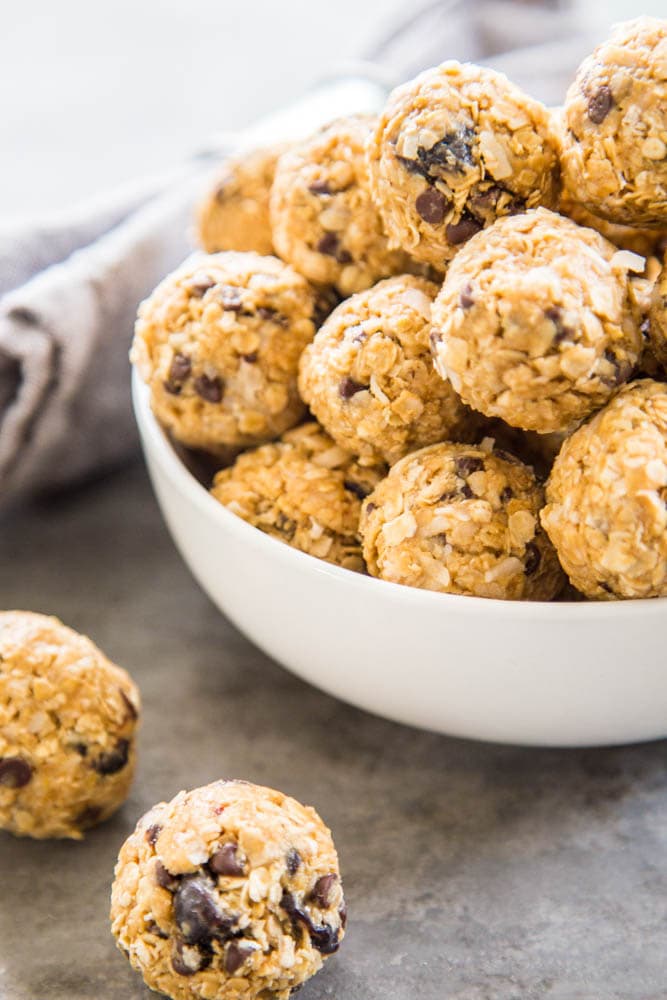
<point x="531" y="673"/>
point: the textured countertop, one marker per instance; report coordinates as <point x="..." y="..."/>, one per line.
<point x="473" y="872"/>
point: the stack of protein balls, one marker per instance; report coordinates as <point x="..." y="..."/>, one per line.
<point x="467" y="296"/>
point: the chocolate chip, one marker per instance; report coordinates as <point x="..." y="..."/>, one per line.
<point x="461" y="231"/>
<point x="236" y="954"/>
<point x="114" y="760"/>
<point x="347" y="387"/>
<point x="532" y="559"/>
<point x="153" y="928"/>
<point x="250" y="359"/>
<point x="506" y="456"/>
<point x="81" y="749"/>
<point x="466" y="492"/>
<point x="164" y="878"/>
<point x="225" y="861"/>
<point x="605" y="586"/>
<point x="185" y="961"/>
<point x="152" y="834"/>
<point x="599" y="105"/>
<point x="465" y="464"/>
<point x="210" y="389"/>
<point x="320" y="187"/>
<point x="359" y="491"/>
<point x="431" y="205"/>
<point x="286" y="525"/>
<point x="449" y="496"/>
<point x="323" y="937"/>
<point x="265" y="312"/>
<point x="555" y="315"/>
<point x="293" y="861"/>
<point x="173" y="388"/>
<point x="180" y="368"/>
<point x="466" y="299"/>
<point x="197" y="914"/>
<point x="231" y="298"/>
<point x="321" y="892"/>
<point x="451" y="154"/>
<point x="370" y="507"/>
<point x="622" y="370"/>
<point x="329" y="244"/>
<point x="200" y="284"/>
<point x="506" y="494"/>
<point x="88" y="817"/>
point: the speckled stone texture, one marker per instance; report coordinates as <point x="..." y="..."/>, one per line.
<point x="472" y="872"/>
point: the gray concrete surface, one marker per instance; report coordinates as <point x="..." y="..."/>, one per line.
<point x="473" y="872"/>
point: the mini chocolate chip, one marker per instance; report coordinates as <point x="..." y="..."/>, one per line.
<point x="293" y="861"/>
<point x="321" y="892"/>
<point x="466" y="298"/>
<point x="605" y="586"/>
<point x="506" y="456"/>
<point x="465" y="464"/>
<point x="164" y="878"/>
<point x="286" y="525"/>
<point x="197" y="914"/>
<point x="466" y="492"/>
<point x="200" y="284"/>
<point x="555" y="315"/>
<point x="347" y="387"/>
<point x="153" y="928"/>
<point x="532" y="559"/>
<point x="599" y="105"/>
<point x="319" y="187"/>
<point x="236" y="954"/>
<point x="88" y="817"/>
<point x="329" y="244"/>
<point x="506" y="494"/>
<point x="461" y="231"/>
<point x="152" y="834"/>
<point x="210" y="389"/>
<point x="231" y="298"/>
<point x="451" y="154"/>
<point x="186" y="960"/>
<point x="323" y="937"/>
<point x="250" y="359"/>
<point x="622" y="370"/>
<point x="265" y="312"/>
<point x="180" y="368"/>
<point x="449" y="496"/>
<point x="431" y="205"/>
<point x="173" y="388"/>
<point x="114" y="760"/>
<point x="81" y="749"/>
<point x="225" y="861"/>
<point x="370" y="507"/>
<point x="359" y="491"/>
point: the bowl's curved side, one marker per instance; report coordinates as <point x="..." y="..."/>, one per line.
<point x="466" y="668"/>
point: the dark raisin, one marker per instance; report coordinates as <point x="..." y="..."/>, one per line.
<point x="461" y="231"/>
<point x="293" y="861"/>
<point x="225" y="861"/>
<point x="599" y="105"/>
<point x="236" y="954"/>
<point x="466" y="298"/>
<point x="210" y="389"/>
<point x="164" y="878"/>
<point x="321" y="892"/>
<point x="359" y="491"/>
<point x="200" y="284"/>
<point x="185" y="961"/>
<point x="231" y="298"/>
<point x="114" y="760"/>
<point x="323" y="937"/>
<point x="347" y="387"/>
<point x="197" y="914"/>
<point x="465" y="464"/>
<point x="432" y="205"/>
<point x="319" y="187"/>
<point x="152" y="834"/>
<point x="532" y="559"/>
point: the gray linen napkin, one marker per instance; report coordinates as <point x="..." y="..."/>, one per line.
<point x="69" y="289"/>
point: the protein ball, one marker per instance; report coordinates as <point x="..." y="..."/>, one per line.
<point x="614" y="152"/>
<point x="369" y="378"/>
<point x="68" y="720"/>
<point x="606" y="509"/>
<point x="642" y="241"/>
<point x="304" y="490"/>
<point x="535" y="322"/>
<point x="455" y="149"/>
<point x="234" y="213"/>
<point x="324" y="221"/>
<point x="461" y="520"/>
<point x="657" y="325"/>
<point x="218" y="342"/>
<point x="228" y="891"/>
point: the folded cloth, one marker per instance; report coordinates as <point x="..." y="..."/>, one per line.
<point x="70" y="289"/>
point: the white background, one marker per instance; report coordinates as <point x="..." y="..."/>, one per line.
<point x="93" y="94"/>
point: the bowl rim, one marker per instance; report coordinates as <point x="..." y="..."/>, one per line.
<point x="157" y="441"/>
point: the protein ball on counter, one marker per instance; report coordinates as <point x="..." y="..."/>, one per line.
<point x="324" y="221"/>
<point x="535" y="322"/>
<point x="614" y="153"/>
<point x="219" y="342"/>
<point x="304" y="490"/>
<point x="68" y="721"/>
<point x="234" y="214"/>
<point x="461" y="520"/>
<point x="228" y="891"/>
<point x="606" y="509"/>
<point x="454" y="150"/>
<point x="368" y="376"/>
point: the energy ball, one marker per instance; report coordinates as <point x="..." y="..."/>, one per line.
<point x="234" y="214"/>
<point x="369" y="378"/>
<point x="228" y="891"/>
<point x="606" y="509"/>
<point x="324" y="221"/>
<point x="68" y="720"/>
<point x="643" y="241"/>
<point x="304" y="490"/>
<point x="455" y="149"/>
<point x="461" y="520"/>
<point x="219" y="342"/>
<point x="657" y="325"/>
<point x="535" y="322"/>
<point x="614" y="153"/>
